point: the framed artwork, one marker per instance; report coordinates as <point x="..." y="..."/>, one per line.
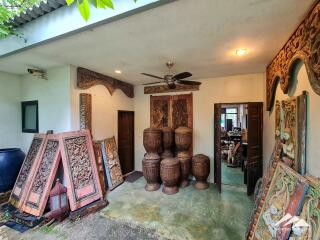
<point x="286" y="195"/>
<point x="30" y="117"/>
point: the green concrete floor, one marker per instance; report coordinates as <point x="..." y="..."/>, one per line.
<point x="134" y="214"/>
<point x="190" y="214"/>
<point x="231" y="176"/>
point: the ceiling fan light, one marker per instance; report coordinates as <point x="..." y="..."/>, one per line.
<point x="241" y="52"/>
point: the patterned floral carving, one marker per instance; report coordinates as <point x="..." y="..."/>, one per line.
<point x="87" y="78"/>
<point x="80" y="164"/>
<point x="85" y="111"/>
<point x="303" y="45"/>
<point x="27" y="164"/>
<point x="180" y="113"/>
<point x="45" y="167"/>
<point x="160" y="111"/>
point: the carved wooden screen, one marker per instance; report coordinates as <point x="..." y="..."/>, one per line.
<point x="171" y="111"/>
<point x="86" y="111"/>
<point x="111" y="162"/>
<point x="27" y="170"/>
<point x="99" y="161"/>
<point x="80" y="168"/>
<point x="45" y="172"/>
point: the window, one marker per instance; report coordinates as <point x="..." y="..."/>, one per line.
<point x="232" y="113"/>
<point x="30" y="120"/>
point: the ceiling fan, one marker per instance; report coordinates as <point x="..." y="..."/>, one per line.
<point x="171" y="79"/>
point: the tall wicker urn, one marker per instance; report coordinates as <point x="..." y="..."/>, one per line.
<point x="170" y="175"/>
<point x="201" y="170"/>
<point x="152" y="140"/>
<point x="168" y="141"/>
<point x="151" y="172"/>
<point x="183" y="141"/>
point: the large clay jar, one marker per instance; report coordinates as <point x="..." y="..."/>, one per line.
<point x="183" y="139"/>
<point x="185" y="168"/>
<point x="152" y="139"/>
<point x="168" y="140"/>
<point x="201" y="170"/>
<point x="11" y="160"/>
<point x="151" y="172"/>
<point x="170" y="174"/>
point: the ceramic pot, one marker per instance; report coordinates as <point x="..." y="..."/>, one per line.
<point x="170" y="174"/>
<point x="168" y="140"/>
<point x="201" y="170"/>
<point x="11" y="160"/>
<point x="183" y="138"/>
<point x="152" y="140"/>
<point x="185" y="168"/>
<point x="151" y="172"/>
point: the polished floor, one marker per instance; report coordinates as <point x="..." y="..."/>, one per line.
<point x="136" y="214"/>
<point x="231" y="176"/>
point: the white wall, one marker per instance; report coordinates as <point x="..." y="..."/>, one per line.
<point x="53" y="97"/>
<point x="10" y="111"/>
<point x="241" y="88"/>
<point x="104" y="108"/>
<point x="301" y="83"/>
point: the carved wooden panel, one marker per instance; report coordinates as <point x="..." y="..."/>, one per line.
<point x="27" y="171"/>
<point x="165" y="88"/>
<point x="99" y="161"/>
<point x="304" y="44"/>
<point x="112" y="163"/>
<point x="171" y="111"/>
<point x="87" y="78"/>
<point x="43" y="179"/>
<point x="80" y="169"/>
<point x="278" y="120"/>
<point x="86" y="111"/>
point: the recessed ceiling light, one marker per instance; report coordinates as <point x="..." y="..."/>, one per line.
<point x="118" y="71"/>
<point x="241" y="52"/>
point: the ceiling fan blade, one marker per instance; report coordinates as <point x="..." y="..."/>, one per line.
<point x="151" y="83"/>
<point x="186" y="82"/>
<point x="150" y="75"/>
<point x="182" y="75"/>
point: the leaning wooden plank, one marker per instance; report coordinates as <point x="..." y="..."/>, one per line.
<point x="27" y="171"/>
<point x="46" y="170"/>
<point x="80" y="169"/>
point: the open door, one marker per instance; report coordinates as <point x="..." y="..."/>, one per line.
<point x="255" y="132"/>
<point x="217" y="145"/>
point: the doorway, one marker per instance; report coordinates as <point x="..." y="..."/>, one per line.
<point x="238" y="144"/>
<point x="126" y="140"/>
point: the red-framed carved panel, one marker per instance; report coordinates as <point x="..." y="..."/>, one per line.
<point x="45" y="172"/>
<point x="27" y="171"/>
<point x="80" y="169"/>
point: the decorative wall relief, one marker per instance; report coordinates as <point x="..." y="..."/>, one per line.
<point x="278" y="120"/>
<point x="112" y="163"/>
<point x="87" y="78"/>
<point x="27" y="171"/>
<point x="286" y="194"/>
<point x="42" y="182"/>
<point x="86" y="111"/>
<point x="80" y="168"/>
<point x="165" y="88"/>
<point x="293" y="132"/>
<point x="171" y="111"/>
<point x="304" y="44"/>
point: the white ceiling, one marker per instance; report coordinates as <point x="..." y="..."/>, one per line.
<point x="199" y="36"/>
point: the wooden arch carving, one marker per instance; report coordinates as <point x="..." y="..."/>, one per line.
<point x="303" y="45"/>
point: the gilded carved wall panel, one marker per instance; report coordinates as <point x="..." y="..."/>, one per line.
<point x="303" y="45"/>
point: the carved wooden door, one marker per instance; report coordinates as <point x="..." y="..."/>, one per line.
<point x="254" y="152"/>
<point x="27" y="171"/>
<point x="126" y="140"/>
<point x="217" y="145"/>
<point x="80" y="169"/>
<point x="45" y="172"/>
